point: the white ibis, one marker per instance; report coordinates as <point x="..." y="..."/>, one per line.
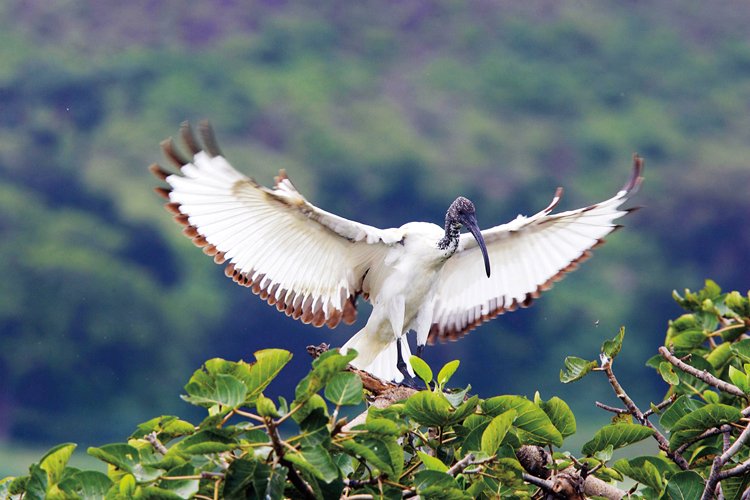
<point x="312" y="264"/>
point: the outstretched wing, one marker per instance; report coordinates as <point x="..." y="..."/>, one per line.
<point x="307" y="262"/>
<point x="527" y="256"/>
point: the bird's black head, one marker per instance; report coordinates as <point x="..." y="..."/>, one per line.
<point x="462" y="212"/>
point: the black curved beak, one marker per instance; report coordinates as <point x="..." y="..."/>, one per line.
<point x="470" y="221"/>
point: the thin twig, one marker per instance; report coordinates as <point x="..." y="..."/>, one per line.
<point x="459" y="466"/>
<point x="619" y="411"/>
<point x="639" y="416"/>
<point x="671" y="399"/>
<point x="701" y="374"/>
<point x="544" y="484"/>
<point x="158" y="446"/>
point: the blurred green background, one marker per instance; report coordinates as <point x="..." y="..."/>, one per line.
<point x="382" y="112"/>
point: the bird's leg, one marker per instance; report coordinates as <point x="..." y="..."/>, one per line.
<point x="420" y="350"/>
<point x="408" y="381"/>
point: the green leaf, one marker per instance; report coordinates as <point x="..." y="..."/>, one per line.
<point x="422" y="369"/>
<point x="432" y="463"/>
<point x="678" y="409"/>
<point x="86" y="485"/>
<point x="668" y="374"/>
<point x="694" y="423"/>
<point x="741" y="349"/>
<point x="560" y="415"/>
<point x="734" y="487"/>
<point x="534" y="426"/>
<point x="55" y="460"/>
<point x="207" y="441"/>
<point x="688" y="339"/>
<point x="167" y="427"/>
<point x="576" y="369"/>
<point x="685" y="485"/>
<point x="719" y="356"/>
<point x="617" y="435"/>
<point x="740" y="379"/>
<point x="268" y="363"/>
<point x="344" y="389"/>
<point x="210" y="389"/>
<point x="185" y="488"/>
<point x="36" y="486"/>
<point x="381" y="451"/>
<point x="447" y="371"/>
<point x="266" y="407"/>
<point x="611" y="348"/>
<point x="433" y="479"/>
<point x="315" y="460"/>
<point x="495" y="432"/>
<point x="325" y="367"/>
<point x="429" y="408"/>
<point x="648" y="470"/>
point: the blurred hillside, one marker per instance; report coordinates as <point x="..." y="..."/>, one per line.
<point x="382" y="112"/>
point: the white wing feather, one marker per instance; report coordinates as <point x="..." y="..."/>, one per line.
<point x="527" y="255"/>
<point x="308" y="262"/>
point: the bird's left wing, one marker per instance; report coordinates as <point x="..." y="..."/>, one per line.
<point x="307" y="262"/>
<point x="527" y="256"/>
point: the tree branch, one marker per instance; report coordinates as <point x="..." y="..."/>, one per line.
<point x="640" y="417"/>
<point x="701" y="374"/>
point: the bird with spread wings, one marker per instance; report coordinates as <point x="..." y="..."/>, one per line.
<point x="313" y="265"/>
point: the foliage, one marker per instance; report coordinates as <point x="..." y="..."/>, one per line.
<point x="383" y="113"/>
<point x="438" y="442"/>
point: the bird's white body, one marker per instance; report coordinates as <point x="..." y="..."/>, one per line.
<point x="313" y="265"/>
<point x="402" y="288"/>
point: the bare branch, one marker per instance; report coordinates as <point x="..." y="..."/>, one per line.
<point x="151" y="438"/>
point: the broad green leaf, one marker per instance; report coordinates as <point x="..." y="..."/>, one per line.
<point x="310" y="405"/>
<point x="207" y="441"/>
<point x="648" y="470"/>
<point x="685" y="485"/>
<point x="55" y="460"/>
<point x="447" y="371"/>
<point x="86" y="485"/>
<point x="560" y="415"/>
<point x="422" y="369"/>
<point x="344" y="389"/>
<point x="456" y="398"/>
<point x="433" y="479"/>
<point x="741" y="349"/>
<point x="710" y="396"/>
<point x="617" y="435"/>
<point x="687" y="339"/>
<point x="381" y="426"/>
<point x="734" y="487"/>
<point x="432" y="463"/>
<point x="36" y="486"/>
<point x="575" y="369"/>
<point x="167" y="427"/>
<point x="611" y="348"/>
<point x="381" y="451"/>
<point x="719" y="356"/>
<point x="325" y="367"/>
<point x="317" y="461"/>
<point x="694" y="423"/>
<point x="668" y="374"/>
<point x="678" y="409"/>
<point x="740" y="379"/>
<point x="429" y="408"/>
<point x="210" y="389"/>
<point x="534" y="426"/>
<point x="495" y="432"/>
<point x="185" y="488"/>
<point x="266" y="407"/>
<point x="268" y="364"/>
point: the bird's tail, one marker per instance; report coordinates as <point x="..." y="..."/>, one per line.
<point x="377" y="357"/>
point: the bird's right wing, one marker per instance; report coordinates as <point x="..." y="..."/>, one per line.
<point x="306" y="261"/>
<point x="527" y="256"/>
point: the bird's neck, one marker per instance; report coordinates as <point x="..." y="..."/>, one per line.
<point x="449" y="242"/>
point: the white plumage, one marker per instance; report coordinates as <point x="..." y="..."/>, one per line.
<point x="313" y="265"/>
